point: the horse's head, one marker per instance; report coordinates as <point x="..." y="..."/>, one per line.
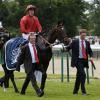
<point x="59" y="33"/>
<point x="4" y="36"/>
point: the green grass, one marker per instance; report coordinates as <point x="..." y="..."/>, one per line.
<point x="54" y="90"/>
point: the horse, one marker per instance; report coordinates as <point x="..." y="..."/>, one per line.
<point x="45" y="51"/>
<point x="4" y="37"/>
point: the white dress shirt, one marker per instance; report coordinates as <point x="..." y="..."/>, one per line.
<point x="25" y="36"/>
<point x="32" y="52"/>
<point x="80" y="47"/>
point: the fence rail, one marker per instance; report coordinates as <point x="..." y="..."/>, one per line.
<point x="58" y="52"/>
<point x="66" y="55"/>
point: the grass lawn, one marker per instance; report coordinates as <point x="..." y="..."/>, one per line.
<point x="54" y="90"/>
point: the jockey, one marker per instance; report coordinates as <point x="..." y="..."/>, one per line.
<point x="29" y="22"/>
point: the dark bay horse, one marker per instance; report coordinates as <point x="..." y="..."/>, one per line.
<point x="45" y="55"/>
<point x="4" y="36"/>
<point x="8" y="74"/>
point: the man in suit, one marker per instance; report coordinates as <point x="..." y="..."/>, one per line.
<point x="80" y="50"/>
<point x="30" y="60"/>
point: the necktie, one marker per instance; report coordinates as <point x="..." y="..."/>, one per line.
<point x="35" y="54"/>
<point x="83" y="51"/>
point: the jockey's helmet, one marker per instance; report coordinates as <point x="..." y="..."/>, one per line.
<point x="30" y="7"/>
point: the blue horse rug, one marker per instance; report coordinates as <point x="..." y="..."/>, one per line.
<point x="12" y="51"/>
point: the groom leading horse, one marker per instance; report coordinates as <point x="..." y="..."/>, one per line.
<point x="44" y="49"/>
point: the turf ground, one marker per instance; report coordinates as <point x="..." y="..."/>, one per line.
<point x="54" y="90"/>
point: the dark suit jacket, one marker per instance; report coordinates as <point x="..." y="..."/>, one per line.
<point x="74" y="46"/>
<point x="25" y="58"/>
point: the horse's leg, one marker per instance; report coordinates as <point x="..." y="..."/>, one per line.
<point x="44" y="75"/>
<point x="13" y="81"/>
<point x="5" y="78"/>
<point x="6" y="82"/>
<point x="2" y="81"/>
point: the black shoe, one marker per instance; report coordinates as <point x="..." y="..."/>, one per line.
<point x="40" y="93"/>
<point x="42" y="89"/>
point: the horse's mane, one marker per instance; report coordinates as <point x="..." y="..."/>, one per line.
<point x="40" y="43"/>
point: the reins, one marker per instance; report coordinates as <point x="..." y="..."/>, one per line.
<point x="50" y="45"/>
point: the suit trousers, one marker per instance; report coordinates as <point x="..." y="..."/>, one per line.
<point x="80" y="76"/>
<point x="31" y="77"/>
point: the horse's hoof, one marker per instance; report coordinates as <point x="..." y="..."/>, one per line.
<point x="1" y="84"/>
<point x="22" y="93"/>
<point x="16" y="91"/>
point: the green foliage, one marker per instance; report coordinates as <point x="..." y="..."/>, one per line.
<point x="94" y="17"/>
<point x="49" y="13"/>
<point x="3" y="13"/>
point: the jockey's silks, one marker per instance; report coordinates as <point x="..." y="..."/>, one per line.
<point x="30" y="24"/>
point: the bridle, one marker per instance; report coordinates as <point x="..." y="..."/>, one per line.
<point x="50" y="44"/>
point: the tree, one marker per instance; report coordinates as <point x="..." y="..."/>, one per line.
<point x="49" y="13"/>
<point x="94" y="17"/>
<point x="3" y="13"/>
